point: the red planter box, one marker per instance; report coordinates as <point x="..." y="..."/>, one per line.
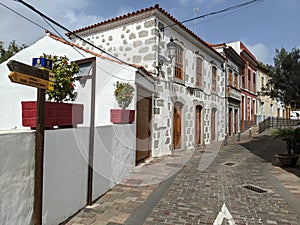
<point x="121" y="116"/>
<point x="56" y="114"/>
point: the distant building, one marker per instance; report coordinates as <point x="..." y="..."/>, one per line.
<point x="248" y="86"/>
<point x="266" y="106"/>
<point x="235" y="65"/>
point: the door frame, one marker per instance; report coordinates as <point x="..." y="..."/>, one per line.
<point x="144" y="94"/>
<point x="180" y="105"/>
<point x="200" y="125"/>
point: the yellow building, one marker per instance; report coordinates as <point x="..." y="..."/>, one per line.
<point x="266" y="107"/>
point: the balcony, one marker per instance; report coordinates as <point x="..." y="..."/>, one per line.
<point x="233" y="93"/>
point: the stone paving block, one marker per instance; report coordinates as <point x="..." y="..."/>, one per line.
<point x="196" y="197"/>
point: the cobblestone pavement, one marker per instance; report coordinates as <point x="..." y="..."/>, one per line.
<point x="226" y="191"/>
<point x="196" y="197"/>
<point x="122" y="200"/>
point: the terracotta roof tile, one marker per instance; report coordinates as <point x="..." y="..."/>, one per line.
<point x="152" y="8"/>
<point x="53" y="36"/>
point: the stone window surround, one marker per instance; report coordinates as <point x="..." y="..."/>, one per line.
<point x="199" y="83"/>
<point x="214" y="78"/>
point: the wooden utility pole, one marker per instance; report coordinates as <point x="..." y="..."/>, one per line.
<point x="42" y="80"/>
<point x="39" y="158"/>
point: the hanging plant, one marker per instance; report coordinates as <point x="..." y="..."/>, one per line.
<point x="64" y="85"/>
<point x="123" y="93"/>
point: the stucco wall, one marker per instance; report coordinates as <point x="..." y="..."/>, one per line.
<point x="65" y="170"/>
<point x="66" y="167"/>
<point x="16" y="178"/>
<point x="139" y="41"/>
<point x="114" y="156"/>
<point x="65" y="173"/>
<point x="11" y="94"/>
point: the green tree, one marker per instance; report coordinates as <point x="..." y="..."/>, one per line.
<point x="284" y="82"/>
<point x="12" y="49"/>
<point x="123" y="94"/>
<point x="64" y="85"/>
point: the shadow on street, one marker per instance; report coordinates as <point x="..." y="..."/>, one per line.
<point x="266" y="147"/>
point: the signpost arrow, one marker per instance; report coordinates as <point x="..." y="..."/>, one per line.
<point x="16" y="66"/>
<point x="28" y="80"/>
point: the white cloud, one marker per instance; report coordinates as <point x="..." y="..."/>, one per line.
<point x="78" y="20"/>
<point x="68" y="13"/>
<point x="183" y="2"/>
<point x="261" y="52"/>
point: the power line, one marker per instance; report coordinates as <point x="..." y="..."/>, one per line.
<point x="74" y="47"/>
<point x="19" y="14"/>
<point x="215" y="12"/>
<point x="69" y="31"/>
<point x="61" y="36"/>
<point x="226" y="14"/>
<point x="201" y="22"/>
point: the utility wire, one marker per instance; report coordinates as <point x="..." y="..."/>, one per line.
<point x="61" y="36"/>
<point x="45" y="17"/>
<point x="19" y="14"/>
<point x="218" y="17"/>
<point x="214" y="13"/>
<point x="74" y="47"/>
<point x="69" y="31"/>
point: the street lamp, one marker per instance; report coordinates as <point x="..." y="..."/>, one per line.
<point x="171" y="52"/>
<point x="171" y="46"/>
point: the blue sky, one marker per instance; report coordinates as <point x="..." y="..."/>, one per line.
<point x="263" y="26"/>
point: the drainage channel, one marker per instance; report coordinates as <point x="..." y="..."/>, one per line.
<point x="254" y="188"/>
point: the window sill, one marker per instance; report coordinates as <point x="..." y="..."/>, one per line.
<point x="178" y="81"/>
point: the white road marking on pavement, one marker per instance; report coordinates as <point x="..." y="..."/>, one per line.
<point x="224" y="214"/>
<point x="209" y="155"/>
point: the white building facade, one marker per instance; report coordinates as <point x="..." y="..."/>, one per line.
<point x="234" y="67"/>
<point x="188" y="105"/>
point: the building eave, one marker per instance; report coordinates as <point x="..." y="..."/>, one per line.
<point x="155" y="11"/>
<point x="139" y="68"/>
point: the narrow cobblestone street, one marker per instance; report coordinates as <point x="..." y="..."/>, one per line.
<point x="237" y="187"/>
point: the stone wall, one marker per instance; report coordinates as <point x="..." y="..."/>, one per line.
<point x="140" y="42"/>
<point x="135" y="43"/>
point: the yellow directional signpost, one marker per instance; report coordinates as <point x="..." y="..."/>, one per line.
<point x="25" y="79"/>
<point x="39" y="75"/>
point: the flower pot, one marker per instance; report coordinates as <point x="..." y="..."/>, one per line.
<point x="287" y="160"/>
<point x="56" y="114"/>
<point x="296" y="148"/>
<point x="121" y="116"/>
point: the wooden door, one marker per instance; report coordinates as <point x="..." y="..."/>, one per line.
<point x="213" y="124"/>
<point x="235" y="121"/>
<point x="230" y="122"/>
<point x="177" y="125"/>
<point x="143" y="139"/>
<point x="249" y="112"/>
<point x="243" y="113"/>
<point x="198" y="124"/>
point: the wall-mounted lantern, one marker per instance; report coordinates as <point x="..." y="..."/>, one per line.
<point x="171" y="52"/>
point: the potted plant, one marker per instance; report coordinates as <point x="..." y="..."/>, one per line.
<point x="124" y="94"/>
<point x="57" y="112"/>
<point x="296" y="141"/>
<point x="287" y="135"/>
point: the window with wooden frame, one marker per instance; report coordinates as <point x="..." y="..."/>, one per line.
<point x="236" y="80"/>
<point x="179" y="59"/>
<point x="249" y="80"/>
<point x="243" y="81"/>
<point x="214" y="78"/>
<point x="230" y="77"/>
<point x="199" y="71"/>
<point x="254" y="83"/>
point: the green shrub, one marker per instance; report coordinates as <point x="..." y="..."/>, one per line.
<point x="123" y="94"/>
